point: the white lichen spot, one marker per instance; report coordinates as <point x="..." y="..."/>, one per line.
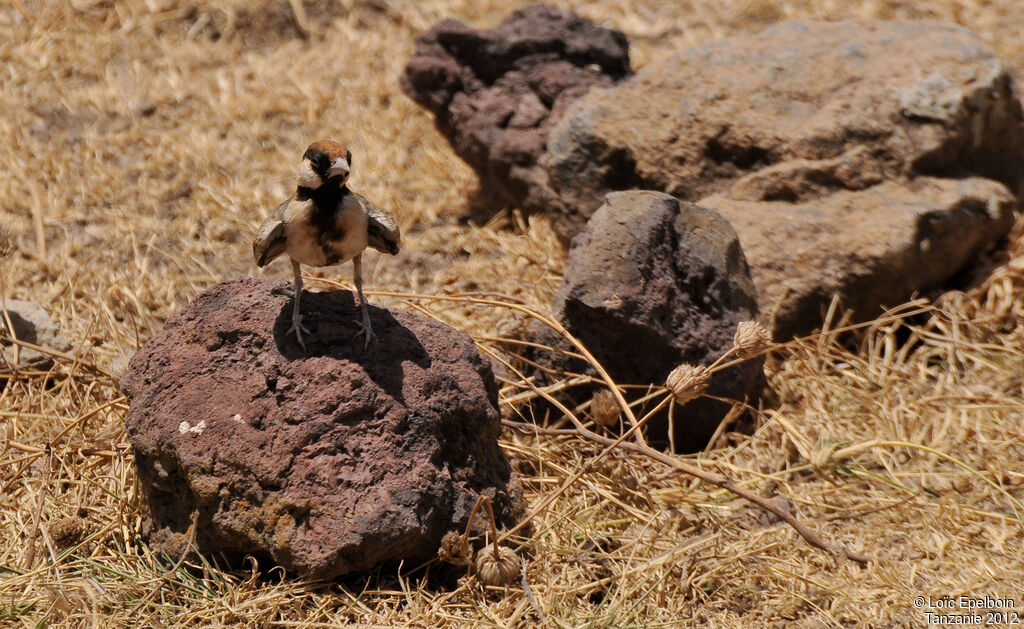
<point x="183" y="427"/>
<point x="198" y="428"/>
<point x="932" y="98"/>
<point x="237" y="417"/>
<point x="613" y="302"/>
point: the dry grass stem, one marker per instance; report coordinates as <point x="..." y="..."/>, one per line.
<point x="7" y="245"/>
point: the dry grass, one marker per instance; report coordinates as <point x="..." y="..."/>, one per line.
<point x="143" y="140"/>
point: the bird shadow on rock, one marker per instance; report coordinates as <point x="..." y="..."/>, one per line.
<point x="334" y="321"/>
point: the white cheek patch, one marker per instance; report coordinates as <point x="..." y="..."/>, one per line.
<point x="307" y="176"/>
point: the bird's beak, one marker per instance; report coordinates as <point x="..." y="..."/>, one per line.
<point x="339" y="168"/>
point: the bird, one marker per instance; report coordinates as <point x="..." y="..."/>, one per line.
<point x="324" y="223"/>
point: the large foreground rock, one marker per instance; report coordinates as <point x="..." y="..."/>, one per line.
<point x="496" y="93"/>
<point x="804" y="136"/>
<point x="325" y="463"/>
<point x="652" y="283"/>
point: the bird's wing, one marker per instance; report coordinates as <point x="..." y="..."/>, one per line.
<point x="270" y="241"/>
<point x="383" y="232"/>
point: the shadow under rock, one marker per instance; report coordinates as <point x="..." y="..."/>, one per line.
<point x="333" y="319"/>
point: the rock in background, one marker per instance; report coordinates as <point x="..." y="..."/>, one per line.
<point x="326" y="463"/>
<point x="496" y="93"/>
<point x="652" y="283"/>
<point x="847" y="155"/>
<point x="874" y="248"/>
<point x="32" y="324"/>
<point x="865" y="159"/>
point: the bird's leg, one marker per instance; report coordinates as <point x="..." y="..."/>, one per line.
<point x="357" y="272"/>
<point x="297" y="326"/>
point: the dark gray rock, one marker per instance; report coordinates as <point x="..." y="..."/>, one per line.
<point x="652" y="283"/>
<point x="328" y="462"/>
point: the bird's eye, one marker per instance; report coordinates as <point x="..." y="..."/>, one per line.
<point x="348" y="158"/>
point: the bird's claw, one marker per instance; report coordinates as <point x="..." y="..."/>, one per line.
<point x="367" y="332"/>
<point x="284" y="291"/>
<point x="297" y="329"/>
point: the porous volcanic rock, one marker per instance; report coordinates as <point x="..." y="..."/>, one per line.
<point x="496" y="93"/>
<point x="651" y="283"/>
<point x="32" y="324"/>
<point x="326" y="463"/>
<point x="802" y="136"/>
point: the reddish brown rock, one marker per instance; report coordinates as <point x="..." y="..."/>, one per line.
<point x="496" y="93"/>
<point x="652" y="283"/>
<point x="325" y="463"/>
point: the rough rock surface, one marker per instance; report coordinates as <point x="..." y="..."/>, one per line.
<point x="326" y="463"/>
<point x="795" y="112"/>
<point x="804" y="134"/>
<point x="873" y="248"/>
<point x="496" y="93"/>
<point x="32" y="324"/>
<point x="652" y="283"/>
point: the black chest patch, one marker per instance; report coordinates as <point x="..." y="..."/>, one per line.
<point x="327" y="202"/>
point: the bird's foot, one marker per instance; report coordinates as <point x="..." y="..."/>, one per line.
<point x="297" y="329"/>
<point x="283" y="290"/>
<point x="367" y="333"/>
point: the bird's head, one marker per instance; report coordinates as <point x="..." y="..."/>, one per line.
<point x="324" y="162"/>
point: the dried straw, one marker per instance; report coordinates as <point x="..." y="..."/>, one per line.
<point x="143" y="141"/>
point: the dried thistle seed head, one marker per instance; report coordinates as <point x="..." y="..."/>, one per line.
<point x="687" y="382"/>
<point x="604" y="408"/>
<point x="455" y="549"/>
<point x="497" y="569"/>
<point x="66" y="532"/>
<point x="6" y="243"/>
<point x="751" y="339"/>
